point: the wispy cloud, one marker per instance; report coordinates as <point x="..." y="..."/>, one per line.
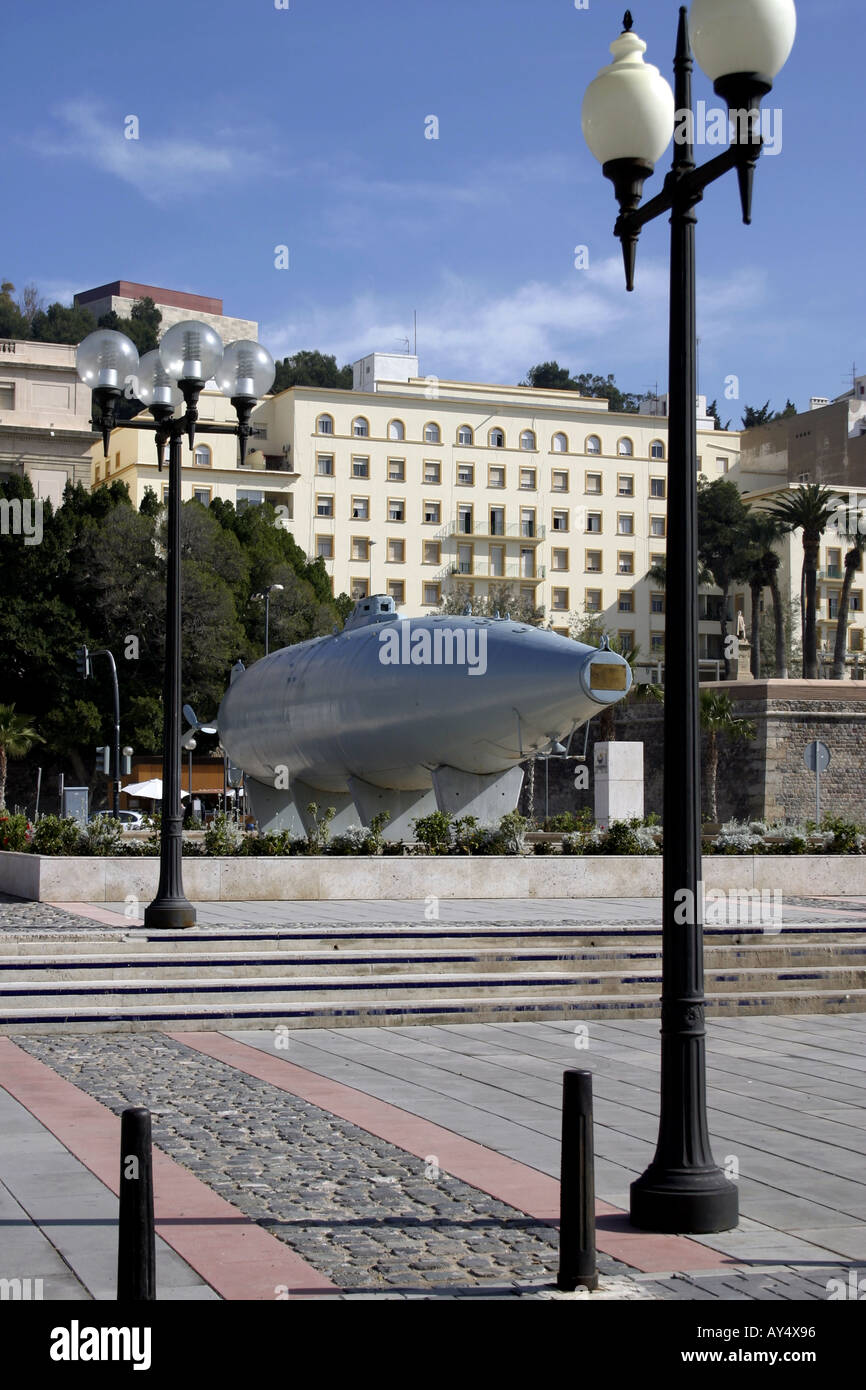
<point x="159" y="167"/>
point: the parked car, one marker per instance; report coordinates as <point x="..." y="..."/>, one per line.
<point x="129" y="820"/>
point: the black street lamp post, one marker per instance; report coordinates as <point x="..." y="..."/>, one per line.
<point x="189" y="354"/>
<point x="627" y="120"/>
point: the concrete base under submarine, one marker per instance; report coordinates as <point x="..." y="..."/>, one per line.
<point x="487" y="797"/>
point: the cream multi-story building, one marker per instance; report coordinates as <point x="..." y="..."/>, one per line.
<point x="422" y="488"/>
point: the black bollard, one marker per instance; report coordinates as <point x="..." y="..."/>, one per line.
<point x="136" y="1245"/>
<point x="577" y="1259"/>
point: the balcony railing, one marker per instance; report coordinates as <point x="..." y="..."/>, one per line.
<point x="482" y="569"/>
<point x="514" y="531"/>
<point x="831" y="572"/>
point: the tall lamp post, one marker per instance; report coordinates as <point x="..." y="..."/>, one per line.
<point x="266" y="595"/>
<point x="190" y="353"/>
<point x="628" y="118"/>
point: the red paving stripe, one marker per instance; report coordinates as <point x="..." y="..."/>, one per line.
<point x="511" y="1182"/>
<point x="230" y="1252"/>
<point x="100" y="914"/>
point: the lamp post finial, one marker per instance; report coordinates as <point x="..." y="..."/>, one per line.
<point x="627" y="22"/>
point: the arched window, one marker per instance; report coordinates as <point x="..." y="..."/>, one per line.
<point x="432" y="433"/>
<point x="360" y="427"/>
<point x="560" y="444"/>
<point x="325" y="424"/>
<point x="593" y="444"/>
<point x="624" y="448"/>
<point x="396" y="430"/>
<point x="496" y="439"/>
<point x="202" y="456"/>
<point x="465" y="435"/>
<point x="657" y="449"/>
<point x="527" y="439"/>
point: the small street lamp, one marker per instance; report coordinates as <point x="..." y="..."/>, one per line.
<point x="266" y="595"/>
<point x="190" y="353"/>
<point x="628" y="119"/>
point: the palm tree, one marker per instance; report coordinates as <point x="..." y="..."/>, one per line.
<point x="717" y="718"/>
<point x="760" y="571"/>
<point x="17" y="737"/>
<point x="808" y="508"/>
<point x="853" y="562"/>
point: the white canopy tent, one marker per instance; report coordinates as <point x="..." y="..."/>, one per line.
<point x="148" y="791"/>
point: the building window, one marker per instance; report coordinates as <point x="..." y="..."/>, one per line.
<point x="496" y="439"/>
<point x="464" y="519"/>
<point x="593" y="562"/>
<point x="432" y="553"/>
<point x="360" y="468"/>
<point x="527" y="478"/>
<point x="559" y="600"/>
<point x="432" y="472"/>
<point x="657" y="603"/>
<point x="657" y="643"/>
<point x="626" y="642"/>
<point x="360" y="509"/>
<point x="625" y="562"/>
<point x="465" y="435"/>
<point x="325" y="547"/>
<point x="527" y="522"/>
<point x="657" y="560"/>
<point x="724" y="465"/>
<point x="245" y="497"/>
<point x="396" y="509"/>
<point x="657" y="449"/>
<point x="202" y="495"/>
<point x="396" y="552"/>
<point x="658" y="487"/>
<point x="360" y="427"/>
<point x="625" y="602"/>
<point x="559" y="481"/>
<point x="466" y="474"/>
<point x="855" y="639"/>
<point x="624" y="524"/>
<point x="360" y="588"/>
<point x="560" y="521"/>
<point x="855" y="603"/>
<point x="201" y="458"/>
<point x="527" y="439"/>
<point x="325" y="465"/>
<point x="658" y="526"/>
<point x="625" y="448"/>
<point x="559" y="444"/>
<point x="495" y="475"/>
<point x="397" y="590"/>
<point x="593" y="484"/>
<point x="465" y="559"/>
<point x="593" y="444"/>
<point x="325" y="424"/>
<point x="497" y="521"/>
<point x="7" y="395"/>
<point x="593" y="523"/>
<point x="592" y="601"/>
<point x="258" y="496"/>
<point x="432" y="433"/>
<point x="625" y="485"/>
<point x="97" y="472"/>
<point x="324" y="506"/>
<point x="396" y="470"/>
<point x="360" y="548"/>
<point x="431" y="595"/>
<point x="559" y="560"/>
<point x="396" y="430"/>
<point x="432" y="513"/>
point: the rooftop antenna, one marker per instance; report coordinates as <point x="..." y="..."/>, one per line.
<point x="415" y="321"/>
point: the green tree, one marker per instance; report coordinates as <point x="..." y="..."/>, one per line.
<point x="757" y="415"/>
<point x="550" y="376"/>
<point x="713" y="410"/>
<point x="808" y="508"/>
<point x="13" y="323"/>
<point x="760" y="570"/>
<point x="718" y="721"/>
<point x="312" y="368"/>
<point x="853" y="565"/>
<point x="60" y="323"/>
<point x="721" y="541"/>
<point x="17" y="737"/>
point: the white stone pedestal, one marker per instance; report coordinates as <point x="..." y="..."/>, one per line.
<point x="618" y="782"/>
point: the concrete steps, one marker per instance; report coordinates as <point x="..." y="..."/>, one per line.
<point x="326" y="976"/>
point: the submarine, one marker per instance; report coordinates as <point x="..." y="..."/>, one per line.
<point x="408" y="716"/>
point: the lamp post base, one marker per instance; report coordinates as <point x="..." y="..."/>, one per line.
<point x="169" y="914"/>
<point x="684" y="1201"/>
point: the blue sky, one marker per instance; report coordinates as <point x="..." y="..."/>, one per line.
<point x="305" y="127"/>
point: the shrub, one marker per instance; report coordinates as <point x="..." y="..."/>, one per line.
<point x="15" y="832"/>
<point x="56" y="835"/>
<point x="320" y="830"/>
<point x="571" y="822"/>
<point x="222" y="836"/>
<point x="622" y="837"/>
<point x="845" y="836"/>
<point x="101" y="836"/>
<point x="362" y="839"/>
<point x="434" y="832"/>
<point x="513" y="828"/>
<point x="734" y="838"/>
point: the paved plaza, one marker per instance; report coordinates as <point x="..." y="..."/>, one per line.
<point x="423" y="1161"/>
